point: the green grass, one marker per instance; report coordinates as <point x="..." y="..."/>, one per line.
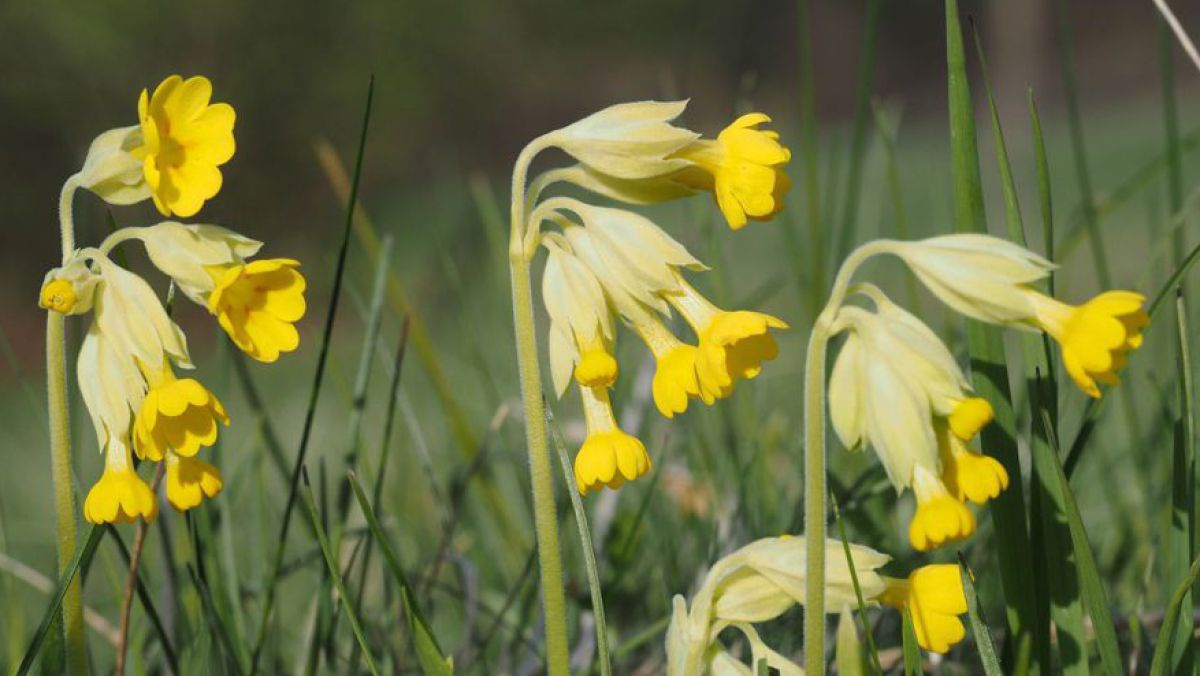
<point x="428" y="558"/>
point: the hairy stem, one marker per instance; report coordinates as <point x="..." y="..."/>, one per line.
<point x="521" y="249"/>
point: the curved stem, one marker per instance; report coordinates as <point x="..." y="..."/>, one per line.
<point x="541" y="480"/>
<point x="66" y="219"/>
<point x="814" y="458"/>
<point x="60" y="453"/>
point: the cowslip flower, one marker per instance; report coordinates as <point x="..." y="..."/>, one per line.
<point x="609" y="456"/>
<point x="764" y="579"/>
<point x="896" y="387"/>
<point x="990" y="279"/>
<point x="257" y="302"/>
<point x="185" y="139"/>
<point x="743" y="168"/>
<point x="178" y="416"/>
<point x="934" y="597"/>
<point x="172" y="156"/>
<point x="633" y="153"/>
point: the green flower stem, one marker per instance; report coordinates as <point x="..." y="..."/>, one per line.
<point x="814" y="459"/>
<point x="522" y="246"/>
<point x="60" y="453"/>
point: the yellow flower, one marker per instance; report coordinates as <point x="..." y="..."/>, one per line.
<point x="940" y="517"/>
<point x="934" y="597"/>
<point x="596" y="367"/>
<point x="257" y="305"/>
<point x="609" y="457"/>
<point x="190" y="480"/>
<point x="120" y="496"/>
<point x="675" y="381"/>
<point x="59" y="296"/>
<point x="968" y="475"/>
<point x="743" y="168"/>
<point x="969" y="416"/>
<point x="185" y="139"/>
<point x="732" y="344"/>
<point x="1095" y="337"/>
<point x="178" y="416"/>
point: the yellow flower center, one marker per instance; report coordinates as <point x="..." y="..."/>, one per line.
<point x="59" y="296"/>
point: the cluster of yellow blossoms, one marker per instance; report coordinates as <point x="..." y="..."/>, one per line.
<point x="605" y="263"/>
<point x="126" y="362"/>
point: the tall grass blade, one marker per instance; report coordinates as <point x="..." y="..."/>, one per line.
<point x="1160" y="665"/>
<point x="585" y="543"/>
<point x="334" y="573"/>
<point x="1093" y="588"/>
<point x="81" y="560"/>
<point x="983" y="638"/>
<point x="1182" y="534"/>
<point x="912" y="651"/>
<point x="433" y="661"/>
<point x="1057" y="577"/>
<point x="315" y="392"/>
<point x="858" y="596"/>
<point x="988" y="371"/>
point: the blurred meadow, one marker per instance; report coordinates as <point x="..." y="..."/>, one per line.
<point x="420" y="397"/>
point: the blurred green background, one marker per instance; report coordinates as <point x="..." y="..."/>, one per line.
<point x="460" y="87"/>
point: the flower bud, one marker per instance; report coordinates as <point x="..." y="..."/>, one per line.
<point x="111" y="171"/>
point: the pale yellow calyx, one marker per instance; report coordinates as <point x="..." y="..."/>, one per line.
<point x="969" y="416"/>
<point x="934" y="597"/>
<point x="185" y="140"/>
<point x="1096" y="337"/>
<point x="628" y="140"/>
<point x="609" y="457"/>
<point x="743" y="168"/>
<point x="189" y="481"/>
<point x="968" y="475"/>
<point x="120" y="495"/>
<point x="940" y="518"/>
<point x="58" y="296"/>
<point x="258" y="304"/>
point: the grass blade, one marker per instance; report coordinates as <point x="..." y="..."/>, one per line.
<point x="315" y="392"/>
<point x="988" y="372"/>
<point x="83" y="557"/>
<point x="433" y="661"/>
<point x="335" y="574"/>
<point x="983" y="639"/>
<point x="1181" y="536"/>
<point x="1166" y="635"/>
<point x="912" y="651"/>
<point x="1094" y="595"/>
<point x="862" y="606"/>
<point x="585" y="543"/>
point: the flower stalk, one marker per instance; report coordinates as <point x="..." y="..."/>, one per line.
<point x="60" y="452"/>
<point x="522" y="246"/>
<point x="814" y="458"/>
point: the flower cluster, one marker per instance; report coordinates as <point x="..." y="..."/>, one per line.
<point x="764" y="579"/>
<point x="126" y="364"/>
<point x="895" y="387"/>
<point x="606" y="263"/>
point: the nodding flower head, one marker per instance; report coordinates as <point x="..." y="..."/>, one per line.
<point x="933" y="595"/>
<point x="185" y="139"/>
<point x="743" y="168"/>
<point x="609" y="457"/>
<point x="258" y="304"/>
